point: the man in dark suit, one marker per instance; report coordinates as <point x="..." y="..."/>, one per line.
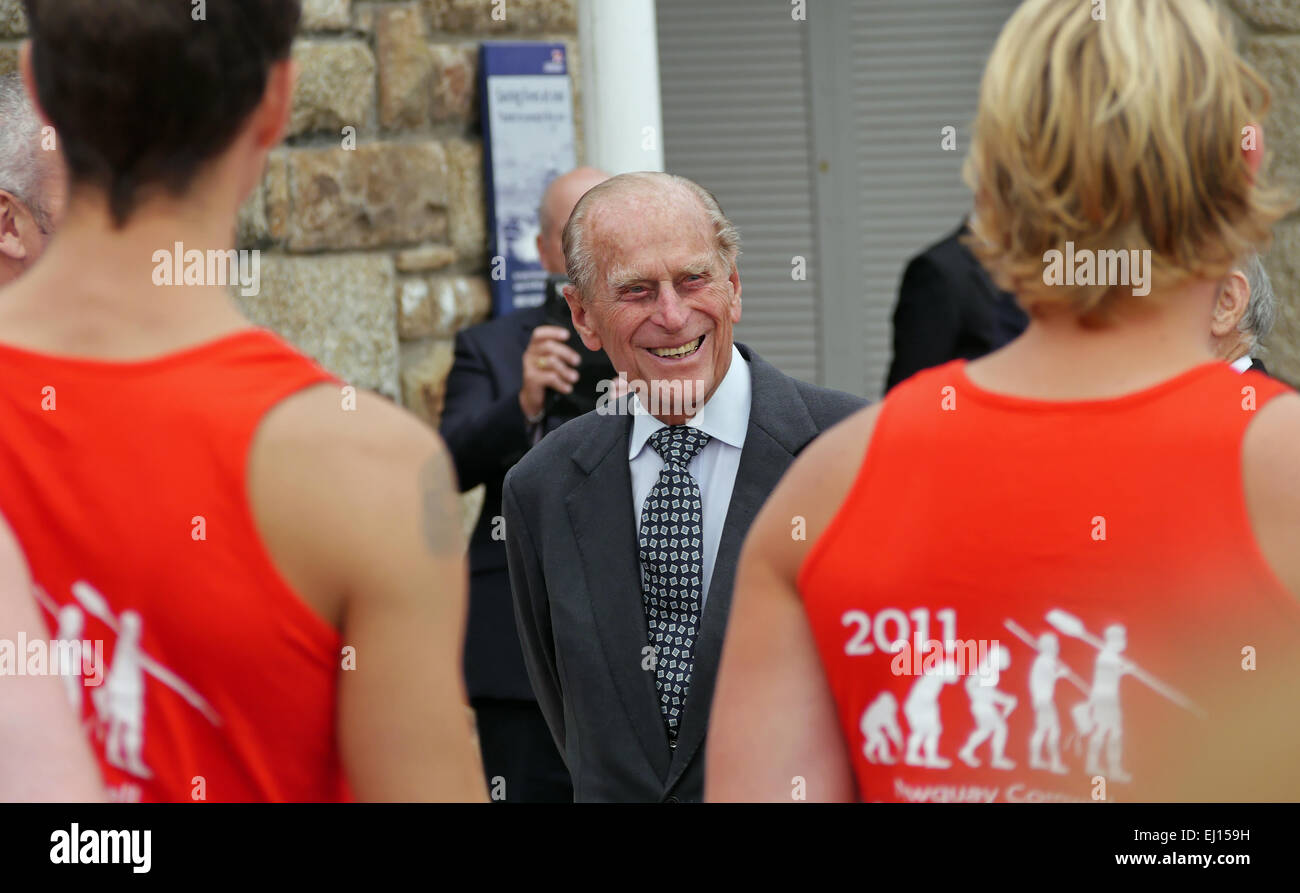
<point x="623" y="527"/>
<point x="495" y="411"/>
<point x="948" y="307"/>
<point x="1244" y="313"/>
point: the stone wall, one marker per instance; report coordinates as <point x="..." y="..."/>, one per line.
<point x="374" y="257"/>
<point x="1269" y="35"/>
<point x="371" y="218"/>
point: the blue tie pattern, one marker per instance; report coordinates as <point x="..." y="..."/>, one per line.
<point x="672" y="562"/>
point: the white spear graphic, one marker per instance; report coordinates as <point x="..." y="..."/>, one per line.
<point x="1029" y="640"/>
<point x="97" y="606"/>
<point x="1073" y="626"/>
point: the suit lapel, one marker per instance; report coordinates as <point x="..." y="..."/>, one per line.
<point x="600" y="510"/>
<point x="779" y="427"/>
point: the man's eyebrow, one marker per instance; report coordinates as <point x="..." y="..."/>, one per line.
<point x="699" y="266"/>
<point x="621" y="277"/>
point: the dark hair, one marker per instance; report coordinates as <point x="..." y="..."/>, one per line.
<point x="143" y="92"/>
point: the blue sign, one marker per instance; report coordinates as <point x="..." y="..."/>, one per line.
<point x="528" y="141"/>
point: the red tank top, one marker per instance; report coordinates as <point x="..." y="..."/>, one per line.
<point x="1020" y="597"/>
<point x="125" y="482"/>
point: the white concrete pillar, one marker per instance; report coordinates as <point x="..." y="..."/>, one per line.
<point x="622" y="120"/>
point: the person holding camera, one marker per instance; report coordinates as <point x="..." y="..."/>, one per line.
<point x="514" y="379"/>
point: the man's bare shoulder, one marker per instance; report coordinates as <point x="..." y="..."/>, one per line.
<point x="353" y="450"/>
<point x="343" y="425"/>
<point x="338" y="479"/>
<point x="1271" y="476"/>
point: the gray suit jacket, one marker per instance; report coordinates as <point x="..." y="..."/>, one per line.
<point x="571" y="544"/>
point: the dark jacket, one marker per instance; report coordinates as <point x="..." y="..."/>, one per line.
<point x="486" y="433"/>
<point x="572" y="546"/>
<point x="948" y="307"/>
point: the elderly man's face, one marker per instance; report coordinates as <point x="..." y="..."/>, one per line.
<point x="662" y="303"/>
<point x="25" y="233"/>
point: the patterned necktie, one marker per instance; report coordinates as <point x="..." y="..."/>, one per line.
<point x="672" y="562"/>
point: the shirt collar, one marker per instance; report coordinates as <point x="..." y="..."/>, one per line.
<point x="1241" y="364"/>
<point x="724" y="417"/>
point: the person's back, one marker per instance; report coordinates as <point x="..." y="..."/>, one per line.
<point x="1103" y="545"/>
<point x="126" y="483"/>
<point x="274" y="561"/>
<point x="1095" y="525"/>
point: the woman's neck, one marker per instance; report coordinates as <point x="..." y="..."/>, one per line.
<point x="1147" y="341"/>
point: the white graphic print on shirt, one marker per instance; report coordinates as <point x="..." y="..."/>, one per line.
<point x="1098" y="734"/>
<point x="119" y="702"/>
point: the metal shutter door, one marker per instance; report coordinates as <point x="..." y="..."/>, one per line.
<point x="734" y="85"/>
<point x="896" y="72"/>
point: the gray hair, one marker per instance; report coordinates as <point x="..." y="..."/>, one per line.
<point x="1261" y="309"/>
<point x="578" y="260"/>
<point x="21" y="172"/>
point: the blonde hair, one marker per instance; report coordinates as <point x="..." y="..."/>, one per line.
<point x="1124" y="133"/>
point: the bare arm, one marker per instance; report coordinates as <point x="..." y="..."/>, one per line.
<point x="383" y="559"/>
<point x="1267" y="723"/>
<point x="774" y="720"/>
<point x="1271" y="477"/>
<point x="43" y="753"/>
<point x="405" y="729"/>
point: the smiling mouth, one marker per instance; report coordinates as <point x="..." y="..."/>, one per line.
<point x="677" y="353"/>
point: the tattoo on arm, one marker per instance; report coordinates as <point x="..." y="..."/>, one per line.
<point x="440" y="507"/>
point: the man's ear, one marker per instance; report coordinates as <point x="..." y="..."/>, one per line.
<point x="1230" y="305"/>
<point x="581" y="319"/>
<point x="11" y="237"/>
<point x="265" y="126"/>
<point x="734" y="279"/>
<point x="277" y="104"/>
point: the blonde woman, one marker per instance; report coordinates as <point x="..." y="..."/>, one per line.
<point x="1102" y="479"/>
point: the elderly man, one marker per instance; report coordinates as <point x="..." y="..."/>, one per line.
<point x="496" y="410"/>
<point x="623" y="530"/>
<point x="33" y="182"/>
<point x="1243" y="314"/>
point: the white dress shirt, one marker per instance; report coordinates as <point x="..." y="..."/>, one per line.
<point x="725" y="418"/>
<point x="1241" y="364"/>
